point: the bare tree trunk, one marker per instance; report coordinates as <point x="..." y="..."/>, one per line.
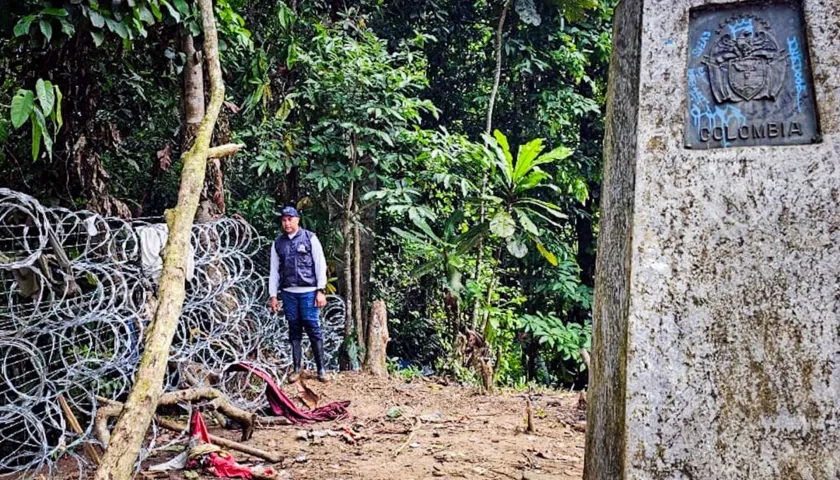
<point x="130" y="429"/>
<point x="377" y="340"/>
<point x="212" y="201"/>
<point x="346" y="233"/>
<point x="357" y="277"/>
<point x="193" y="89"/>
<point x="497" y="78"/>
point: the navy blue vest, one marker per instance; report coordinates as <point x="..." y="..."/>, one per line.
<point x="297" y="265"/>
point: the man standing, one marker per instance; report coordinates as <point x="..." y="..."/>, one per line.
<point x="298" y="266"/>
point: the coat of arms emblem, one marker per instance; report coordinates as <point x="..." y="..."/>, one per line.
<point x="746" y="62"/>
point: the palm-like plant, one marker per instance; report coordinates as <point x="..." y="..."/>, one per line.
<point x="445" y="252"/>
<point x="515" y="186"/>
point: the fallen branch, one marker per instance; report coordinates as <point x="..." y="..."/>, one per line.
<point x="218" y="401"/>
<point x="111" y="409"/>
<point x="417" y="424"/>
<point x="223" y="442"/>
<point x="74" y="424"/>
<point x="224" y="150"/>
<point x="272" y="421"/>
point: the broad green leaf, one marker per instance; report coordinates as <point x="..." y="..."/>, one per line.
<point x="502" y="160"/>
<point x="46" y="29"/>
<point x="55" y="12"/>
<point x="559" y="153"/>
<point x="526" y="222"/>
<point x="42" y="124"/>
<point x="425" y="269"/>
<point x="182" y="7"/>
<point x="552" y="259"/>
<point x="580" y="190"/>
<point x="96" y="19"/>
<point x="282" y="17"/>
<point x="156" y="10"/>
<point x="291" y="56"/>
<point x="410" y="236"/>
<point x="57" y="111"/>
<point x="46" y="95"/>
<point x="67" y="28"/>
<point x="535" y="213"/>
<point x="547" y="206"/>
<point x="525" y="158"/>
<point x="22" y="27"/>
<point x="117" y="27"/>
<point x="22" y="104"/>
<point x="503" y="224"/>
<point x="385" y="137"/>
<point x="422" y="225"/>
<point x="531" y="180"/>
<point x="517" y="248"/>
<point x="503" y="142"/>
<point x="173" y="12"/>
<point x="285" y="109"/>
<point x="145" y="15"/>
<point x="36" y="140"/>
<point x="98" y="37"/>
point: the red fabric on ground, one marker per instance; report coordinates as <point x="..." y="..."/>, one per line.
<point x="198" y="428"/>
<point x="281" y="406"/>
<point x="226" y="467"/>
<point x="220" y="464"/>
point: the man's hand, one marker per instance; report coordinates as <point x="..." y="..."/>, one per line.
<point x="320" y="299"/>
<point x="275" y="305"/>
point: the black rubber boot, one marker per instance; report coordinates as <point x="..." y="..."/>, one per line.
<point x="296" y="357"/>
<point x="318" y="353"/>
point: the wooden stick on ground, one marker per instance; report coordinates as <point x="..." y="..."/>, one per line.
<point x="74" y="424"/>
<point x="223" y="442"/>
<point x="529" y="410"/>
<point x="112" y="409"/>
<point x="417" y="424"/>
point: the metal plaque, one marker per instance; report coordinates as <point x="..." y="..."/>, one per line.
<point x="749" y="77"/>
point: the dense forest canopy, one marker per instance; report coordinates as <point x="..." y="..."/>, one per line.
<point x="445" y="151"/>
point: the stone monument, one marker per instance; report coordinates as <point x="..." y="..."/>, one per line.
<point x="716" y="350"/>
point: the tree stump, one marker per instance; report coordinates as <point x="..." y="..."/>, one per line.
<point x="377" y="340"/>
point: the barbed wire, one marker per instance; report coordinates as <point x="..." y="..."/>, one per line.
<point x="75" y="300"/>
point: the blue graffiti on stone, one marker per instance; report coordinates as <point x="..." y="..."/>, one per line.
<point x="701" y="44"/>
<point x="701" y="74"/>
<point x="796" y="62"/>
<point x="741" y="25"/>
<point x="703" y="113"/>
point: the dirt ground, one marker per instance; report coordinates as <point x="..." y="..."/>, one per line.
<point x="437" y="430"/>
<point x="445" y="431"/>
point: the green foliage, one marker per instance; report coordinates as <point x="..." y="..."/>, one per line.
<point x="515" y="184"/>
<point x="563" y="339"/>
<point x="25" y="108"/>
<point x="389" y="98"/>
<point x="407" y="374"/>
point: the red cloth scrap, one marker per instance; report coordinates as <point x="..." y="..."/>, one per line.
<point x="281" y="406"/>
<point x="219" y="463"/>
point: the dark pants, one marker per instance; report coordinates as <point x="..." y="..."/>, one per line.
<point x="301" y="313"/>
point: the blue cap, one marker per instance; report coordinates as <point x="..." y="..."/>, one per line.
<point x="289" y="212"/>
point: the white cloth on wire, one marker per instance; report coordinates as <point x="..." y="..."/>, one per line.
<point x="152" y="242"/>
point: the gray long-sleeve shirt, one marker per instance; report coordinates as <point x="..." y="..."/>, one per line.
<point x="320" y="269"/>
